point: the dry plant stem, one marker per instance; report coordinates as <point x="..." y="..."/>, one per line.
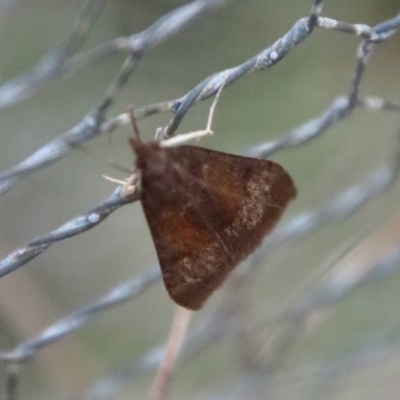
<point x="174" y="344"/>
<point x="94" y="123"/>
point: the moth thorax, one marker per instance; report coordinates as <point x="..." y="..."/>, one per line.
<point x="152" y="159"/>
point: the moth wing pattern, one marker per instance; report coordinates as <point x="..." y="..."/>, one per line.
<point x="207" y="211"/>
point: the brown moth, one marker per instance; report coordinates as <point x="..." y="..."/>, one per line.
<point x="207" y="211"/>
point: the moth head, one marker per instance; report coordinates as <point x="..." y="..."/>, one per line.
<point x="150" y="157"/>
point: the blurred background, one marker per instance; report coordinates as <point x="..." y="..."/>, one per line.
<point x="258" y="108"/>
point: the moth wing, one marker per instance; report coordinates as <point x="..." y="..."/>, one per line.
<point x="207" y="212"/>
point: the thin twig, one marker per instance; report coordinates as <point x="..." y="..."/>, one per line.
<point x="177" y="334"/>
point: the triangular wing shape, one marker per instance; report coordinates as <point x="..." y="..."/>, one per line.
<point x="207" y="211"/>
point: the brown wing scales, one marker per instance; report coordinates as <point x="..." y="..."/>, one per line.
<point x="207" y="211"/>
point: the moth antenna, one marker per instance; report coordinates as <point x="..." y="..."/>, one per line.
<point x="134" y="141"/>
<point x="101" y="158"/>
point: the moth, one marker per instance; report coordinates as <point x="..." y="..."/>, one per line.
<point x="207" y="211"/>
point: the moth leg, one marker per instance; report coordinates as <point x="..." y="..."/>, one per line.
<point x="129" y="185"/>
<point x="176" y="140"/>
<point x="185" y="137"/>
